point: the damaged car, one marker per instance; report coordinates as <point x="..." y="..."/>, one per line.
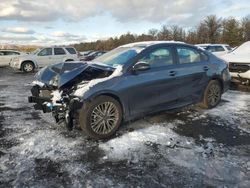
<point x="129" y="82"/>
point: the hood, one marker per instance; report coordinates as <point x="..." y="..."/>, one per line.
<point x="26" y="56"/>
<point x="236" y="57"/>
<point x="239" y="55"/>
<point x="63" y="75"/>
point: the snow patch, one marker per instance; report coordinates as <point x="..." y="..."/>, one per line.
<point x="81" y="91"/>
<point x="234" y="109"/>
<point x="56" y="96"/>
<point x="132" y="145"/>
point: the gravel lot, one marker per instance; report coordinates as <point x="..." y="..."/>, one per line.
<point x="189" y="147"/>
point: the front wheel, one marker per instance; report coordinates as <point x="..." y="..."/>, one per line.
<point x="101" y="117"/>
<point x="28" y="67"/>
<point x="212" y="94"/>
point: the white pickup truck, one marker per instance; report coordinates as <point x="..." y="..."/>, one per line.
<point x="43" y="57"/>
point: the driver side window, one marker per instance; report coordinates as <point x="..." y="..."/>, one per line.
<point x="160" y="57"/>
<point x="45" y="52"/>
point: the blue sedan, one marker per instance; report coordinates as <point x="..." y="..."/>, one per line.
<point x="129" y="82"/>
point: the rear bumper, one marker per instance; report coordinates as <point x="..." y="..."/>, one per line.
<point x="15" y="65"/>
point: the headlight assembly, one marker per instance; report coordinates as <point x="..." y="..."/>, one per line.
<point x="54" y="81"/>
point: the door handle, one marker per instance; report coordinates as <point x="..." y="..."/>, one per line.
<point x="172" y="73"/>
<point x="205" y="68"/>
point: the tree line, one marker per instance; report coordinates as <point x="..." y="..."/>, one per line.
<point x="210" y="30"/>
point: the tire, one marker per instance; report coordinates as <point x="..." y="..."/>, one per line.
<point x="95" y="122"/>
<point x="212" y="95"/>
<point x="28" y="67"/>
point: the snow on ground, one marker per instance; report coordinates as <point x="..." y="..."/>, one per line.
<point x="189" y="147"/>
<point x="234" y="109"/>
<point x="206" y="159"/>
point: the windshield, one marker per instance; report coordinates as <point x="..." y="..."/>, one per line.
<point x="36" y="51"/>
<point x="119" y="56"/>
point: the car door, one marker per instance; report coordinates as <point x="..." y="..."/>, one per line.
<point x="59" y="55"/>
<point x="44" y="57"/>
<point x="153" y="89"/>
<point x="192" y="73"/>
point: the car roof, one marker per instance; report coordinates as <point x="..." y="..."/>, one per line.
<point x="206" y="44"/>
<point x="150" y="43"/>
<point x="218" y="45"/>
<point x="59" y="47"/>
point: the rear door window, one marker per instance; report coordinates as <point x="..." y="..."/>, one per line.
<point x="188" y="55"/>
<point x="11" y="53"/>
<point x="59" y="51"/>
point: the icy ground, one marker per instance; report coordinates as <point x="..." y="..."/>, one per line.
<point x="189" y="147"/>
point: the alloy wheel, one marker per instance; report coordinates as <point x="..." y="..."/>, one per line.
<point x="104" y="118"/>
<point x="214" y="93"/>
<point x="28" y="67"/>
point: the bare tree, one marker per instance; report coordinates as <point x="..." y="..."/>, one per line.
<point x="164" y="33"/>
<point x="153" y="33"/>
<point x="177" y="33"/>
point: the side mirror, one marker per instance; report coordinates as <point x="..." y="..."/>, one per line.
<point x="141" y="66"/>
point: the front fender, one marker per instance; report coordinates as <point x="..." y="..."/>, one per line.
<point x="90" y="97"/>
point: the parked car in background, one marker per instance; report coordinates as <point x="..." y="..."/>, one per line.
<point x="85" y="53"/>
<point x="129" y="82"/>
<point x="7" y="55"/>
<point x="43" y="57"/>
<point x="216" y="49"/>
<point x="203" y="46"/>
<point x="93" y="55"/>
<point x="239" y="63"/>
<point x="219" y="49"/>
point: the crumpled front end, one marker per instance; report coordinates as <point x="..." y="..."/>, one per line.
<point x="59" y="103"/>
<point x="55" y="85"/>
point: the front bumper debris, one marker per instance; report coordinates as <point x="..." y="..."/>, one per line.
<point x="65" y="110"/>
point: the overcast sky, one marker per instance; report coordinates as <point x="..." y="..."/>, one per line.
<point x="50" y="22"/>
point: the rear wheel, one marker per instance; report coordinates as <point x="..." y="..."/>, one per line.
<point x="28" y="67"/>
<point x="212" y="94"/>
<point x="101" y="118"/>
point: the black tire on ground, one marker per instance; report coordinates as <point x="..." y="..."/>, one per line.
<point x="28" y="66"/>
<point x="100" y="118"/>
<point x="212" y="94"/>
